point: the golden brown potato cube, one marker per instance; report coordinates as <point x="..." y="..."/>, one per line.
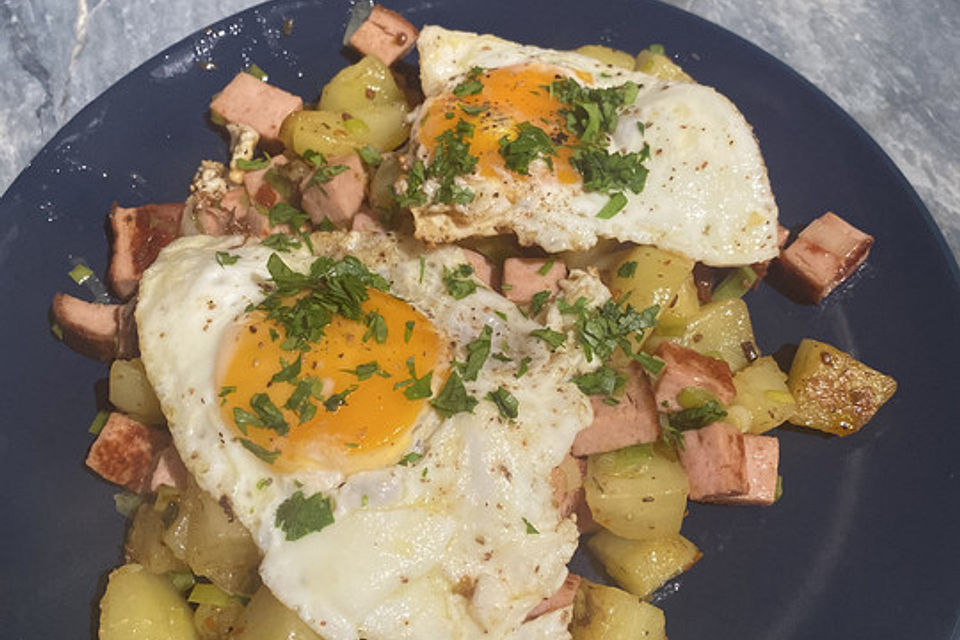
<point x="266" y="618"/>
<point x="834" y="391"/>
<point x="607" y="613"/>
<point x="763" y="393"/>
<point x="213" y="542"/>
<point x="719" y="329"/>
<point x="139" y="605"/>
<point x="643" y="566"/>
<point x="145" y="542"/>
<point x="659" y="65"/>
<point x="607" y="55"/>
<point x="637" y="492"/>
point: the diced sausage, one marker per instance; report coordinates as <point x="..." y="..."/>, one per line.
<point x="714" y="458"/>
<point x="482" y="267"/>
<point x="250" y="101"/>
<point x="101" y="331"/>
<point x="385" y="34"/>
<point x="563" y="597"/>
<point x="125" y="452"/>
<point x="825" y="254"/>
<point x="340" y="198"/>
<point x="138" y="235"/>
<point x="266" y="186"/>
<point x="522" y="278"/>
<point x="686" y="368"/>
<point x="366" y="220"/>
<point x="763" y="459"/>
<point x="633" y="420"/>
<point x="169" y="470"/>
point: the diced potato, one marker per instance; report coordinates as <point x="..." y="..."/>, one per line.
<point x="643" y="566"/>
<point x="213" y="542"/>
<point x="834" y="391"/>
<point x="145" y="543"/>
<point x="638" y="492"/>
<point x="320" y="131"/>
<point x="762" y="391"/>
<point x="607" y="55"/>
<point x="647" y="276"/>
<point x="215" y="623"/>
<point x="674" y="318"/>
<point x="659" y="65"/>
<point x="266" y="618"/>
<point x="367" y="90"/>
<point x="139" y="605"/>
<point x="720" y="329"/>
<point x="607" y="613"/>
<point x="131" y="393"/>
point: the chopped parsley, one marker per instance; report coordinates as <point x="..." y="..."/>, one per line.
<point x="539" y="299"/>
<point x="326" y="224"/>
<point x="408" y="330"/>
<point x="337" y="400"/>
<point x="477" y="353"/>
<point x="553" y="338"/>
<point x="696" y="417"/>
<point x="376" y="328"/>
<point x="288" y="372"/>
<point x="592" y="113"/>
<point x="451" y="159"/>
<point x="286" y="213"/>
<point x="606" y="172"/>
<point x="600" y="330"/>
<point x="415" y="388"/>
<point x="268" y="414"/>
<point x="531" y="143"/>
<point x="602" y="382"/>
<point x="414" y="196"/>
<point x="530" y="528"/>
<point x="616" y="202"/>
<point x="627" y="269"/>
<point x="258" y="73"/>
<point x="253" y="165"/>
<point x="369" y="155"/>
<point x="524" y="366"/>
<point x="453" y="398"/>
<point x="470" y="86"/>
<point x="367" y="370"/>
<point x="325" y="171"/>
<point x="281" y="242"/>
<point x="264" y="454"/>
<point x="298" y="515"/>
<point x="410" y="459"/>
<point x="651" y="364"/>
<point x="473" y="110"/>
<point x="458" y="281"/>
<point x="505" y="401"/>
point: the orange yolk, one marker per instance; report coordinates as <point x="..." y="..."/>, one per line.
<point x="510" y="95"/>
<point x="373" y="429"/>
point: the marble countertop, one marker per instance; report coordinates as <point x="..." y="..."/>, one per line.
<point x="891" y="65"/>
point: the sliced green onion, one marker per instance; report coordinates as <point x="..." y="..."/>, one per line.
<point x="616" y="202"/>
<point x="355" y="126"/>
<point x="693" y="397"/>
<point x="736" y="284"/>
<point x="657" y="48"/>
<point x="257" y="72"/>
<point x="80" y="273"/>
<point x="98" y="421"/>
<point x="56" y="330"/>
<point x="204" y="593"/>
<point x="126" y="503"/>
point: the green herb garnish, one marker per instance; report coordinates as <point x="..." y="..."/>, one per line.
<point x="531" y="143"/>
<point x="453" y="398"/>
<point x="297" y="515"/>
<point x="505" y="401"/>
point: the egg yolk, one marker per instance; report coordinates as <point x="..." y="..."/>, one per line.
<point x="362" y="419"/>
<point x="509" y="96"/>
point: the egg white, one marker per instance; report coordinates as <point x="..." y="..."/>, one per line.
<point x="707" y="194"/>
<point x="440" y="548"/>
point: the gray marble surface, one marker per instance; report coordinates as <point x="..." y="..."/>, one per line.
<point x="893" y="65"/>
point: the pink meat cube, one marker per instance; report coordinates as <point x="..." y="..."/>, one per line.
<point x="563" y="597"/>
<point x="714" y="458"/>
<point x="138" y="235"/>
<point x="101" y="331"/>
<point x="633" y="421"/>
<point x="763" y="459"/>
<point x="385" y="34"/>
<point x="268" y="192"/>
<point x="250" y="101"/>
<point x="482" y="267"/>
<point x="825" y="254"/>
<point x="525" y="277"/>
<point x="340" y="198"/>
<point x="366" y="220"/>
<point x="687" y="368"/>
<point x="169" y="470"/>
<point x="125" y="452"/>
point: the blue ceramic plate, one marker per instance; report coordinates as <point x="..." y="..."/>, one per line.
<point x="862" y="545"/>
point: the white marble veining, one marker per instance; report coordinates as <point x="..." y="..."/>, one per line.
<point x="892" y="65"/>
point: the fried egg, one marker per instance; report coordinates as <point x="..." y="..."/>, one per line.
<point x="706" y="193"/>
<point x="441" y="524"/>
